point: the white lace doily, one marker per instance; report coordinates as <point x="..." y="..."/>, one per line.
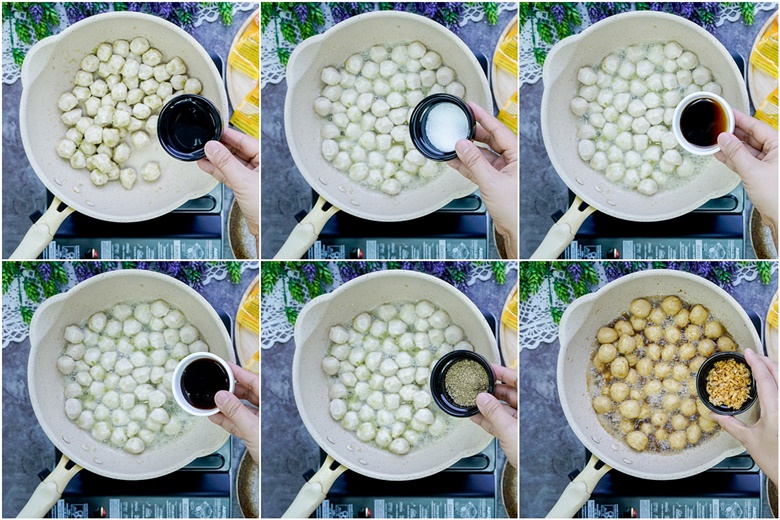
<point x="12" y="72"/>
<point x="531" y="72"/>
<point x="276" y="329"/>
<point x="536" y="323"/>
<point x="15" y="330"/>
<point x="273" y="72"/>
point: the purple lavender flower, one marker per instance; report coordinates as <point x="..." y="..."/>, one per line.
<point x="656" y="6"/>
<point x="612" y="271"/>
<point x="595" y="13"/>
<point x="44" y="269"/>
<point x="310" y="271"/>
<point x="558" y="11"/>
<point x="36" y="12"/>
<point x="399" y="6"/>
<point x="165" y="9"/>
<point x="347" y="272"/>
<point x="302" y="12"/>
<point x="426" y="9"/>
<point x="81" y="271"/>
<point x="189" y="7"/>
<point x="407" y="266"/>
<point x="74" y="14"/>
<point x="338" y="12"/>
<point x="575" y="271"/>
<point x="135" y="6"/>
<point x="142" y="265"/>
<point x="436" y="269"/>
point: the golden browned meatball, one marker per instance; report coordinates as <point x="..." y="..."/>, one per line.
<point x="644" y="367"/>
<point x="646" y="428"/>
<point x="693" y="433"/>
<point x="602" y="404"/>
<point x="699" y="315"/>
<point x="670" y="385"/>
<point x="640" y="308"/>
<point x="706" y="424"/>
<point x="626" y="426"/>
<point x="623" y="327"/>
<point x="677" y="440"/>
<point x="619" y="392"/>
<point x="619" y="367"/>
<point x="669" y="352"/>
<point x="679" y="422"/>
<point x="692" y="332"/>
<point x="654" y="351"/>
<point x="626" y="345"/>
<point x="726" y="344"/>
<point x="637" y="440"/>
<point x="662" y="370"/>
<point x="671" y="305"/>
<point x="629" y="409"/>
<point x="696" y="362"/>
<point x="654" y="333"/>
<point x="688" y="407"/>
<point x="713" y="329"/>
<point x="670" y="402"/>
<point x="687" y="351"/>
<point x="672" y="334"/>
<point x="680" y="372"/>
<point x="682" y="318"/>
<point x="653" y="387"/>
<point x="606" y="335"/>
<point x="659" y="419"/>
<point x="706" y="347"/>
<point x="638" y="324"/>
<point x="660" y="435"/>
<point x="632" y="377"/>
<point x="656" y="316"/>
<point x="607" y="352"/>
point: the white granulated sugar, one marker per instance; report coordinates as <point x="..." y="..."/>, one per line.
<point x="446" y="125"/>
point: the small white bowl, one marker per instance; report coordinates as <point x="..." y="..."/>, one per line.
<point x="687" y="100"/>
<point x="176" y="383"/>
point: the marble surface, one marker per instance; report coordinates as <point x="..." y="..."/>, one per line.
<point x="24" y="193"/>
<point x="542" y="192"/>
<point x="285" y="192"/>
<point x="550" y="448"/>
<point x="287" y="449"/>
<point x="26" y="448"/>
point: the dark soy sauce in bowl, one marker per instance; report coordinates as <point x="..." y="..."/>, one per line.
<point x="702" y="121"/>
<point x="200" y="382"/>
<point x="186" y="124"/>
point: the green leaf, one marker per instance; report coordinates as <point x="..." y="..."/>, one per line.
<point x="748" y="10"/>
<point x="234" y="270"/>
<point x="289" y="32"/>
<point x="59" y="273"/>
<point x="324" y="274"/>
<point x="23" y="32"/>
<point x="120" y="6"/>
<point x="292" y="314"/>
<point x="562" y="290"/>
<point x="225" y="10"/>
<point x="27" y="314"/>
<point x="765" y="272"/>
<point x="283" y="55"/>
<point x="557" y="314"/>
<point x="540" y="55"/>
<point x="491" y="12"/>
<point x="573" y="14"/>
<point x="50" y="15"/>
<point x="269" y="276"/>
<point x="499" y="272"/>
<point x="18" y="55"/>
<point x="267" y="13"/>
<point x="32" y="289"/>
<point x="297" y="291"/>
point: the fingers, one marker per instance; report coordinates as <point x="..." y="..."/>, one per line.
<point x="240" y="419"/>
<point x="736" y="155"/>
<point x="506" y="393"/>
<point x="223" y="165"/>
<point x="245" y="146"/>
<point x="474" y="166"/>
<point x="500" y="138"/>
<point x="505" y="375"/>
<point x="766" y="385"/>
<point x="494" y="417"/>
<point x="761" y="133"/>
<point x="246" y="394"/>
<point x="769" y="363"/>
<point x="489" y="155"/>
<point x="248" y="380"/>
<point x="733" y="426"/>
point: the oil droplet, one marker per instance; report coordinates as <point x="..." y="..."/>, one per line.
<point x="59" y="181"/>
<point x="599" y="188"/>
<point x="627" y="461"/>
<point x="614" y="447"/>
<point x="323" y="180"/>
<point x="97" y="461"/>
<point x="89" y="203"/>
<point x="66" y="439"/>
<point x="611" y="202"/>
<point x="342" y="188"/>
<point x="596" y="439"/>
<point x="580" y="180"/>
<point x="331" y="440"/>
<point x="363" y="461"/>
<point x="354" y="202"/>
<point x="350" y="447"/>
<point x="76" y="189"/>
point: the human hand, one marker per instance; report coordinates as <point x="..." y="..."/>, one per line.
<point x="494" y="170"/>
<point x="237" y="418"/>
<point x="751" y="152"/>
<point x="761" y="438"/>
<point x="235" y="161"/>
<point x="500" y="419"/>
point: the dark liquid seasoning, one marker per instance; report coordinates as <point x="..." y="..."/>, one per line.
<point x="191" y="126"/>
<point x="702" y="122"/>
<point x="201" y="381"/>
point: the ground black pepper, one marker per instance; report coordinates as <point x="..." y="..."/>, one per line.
<point x="464" y="380"/>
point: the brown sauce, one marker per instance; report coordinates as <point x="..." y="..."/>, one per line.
<point x="200" y="382"/>
<point x="702" y="121"/>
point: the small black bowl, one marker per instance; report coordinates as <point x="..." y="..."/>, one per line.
<point x="419" y="119"/>
<point x="439" y="393"/>
<point x="701" y="383"/>
<point x="186" y="123"/>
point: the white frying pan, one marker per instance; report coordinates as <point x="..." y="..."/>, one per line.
<point x="559" y="125"/>
<point x="46" y="383"/>
<point x="310" y="384"/>
<point x="578" y="328"/>
<point x="302" y="125"/>
<point x="48" y="72"/>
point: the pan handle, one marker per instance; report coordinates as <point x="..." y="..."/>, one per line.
<point x="562" y="233"/>
<point x="42" y="232"/>
<point x="306" y="233"/>
<point x="49" y="491"/>
<point x="578" y="492"/>
<point x="315" y="490"/>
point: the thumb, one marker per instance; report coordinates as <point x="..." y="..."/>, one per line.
<point x="228" y="168"/>
<point x="477" y="167"/>
<point x="736" y="153"/>
<point x="234" y="410"/>
<point x="493" y="411"/>
<point x="733" y="426"/>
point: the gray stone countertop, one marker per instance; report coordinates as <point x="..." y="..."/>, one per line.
<point x="26" y="448"/>
<point x="550" y="449"/>
<point x="24" y="193"/>
<point x="285" y="192"/>
<point x="542" y="192"/>
<point x="287" y="448"/>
